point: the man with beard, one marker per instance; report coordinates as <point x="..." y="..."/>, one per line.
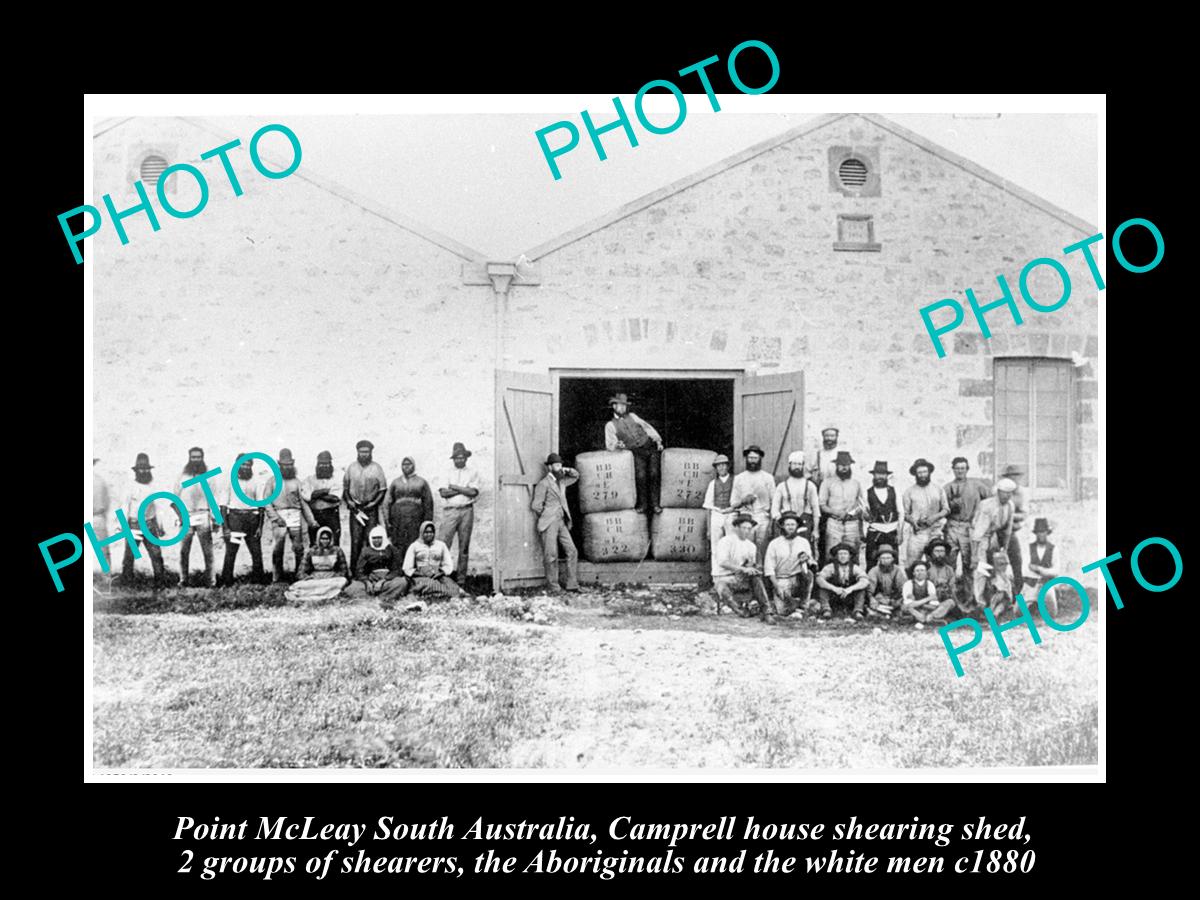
<point x="885" y="585"/>
<point x="963" y="495"/>
<point x="322" y="491"/>
<point x="822" y="465"/>
<point x="428" y="566"/>
<point x="143" y="486"/>
<point x="842" y="507"/>
<point x="797" y="494"/>
<point x="842" y="580"/>
<point x="925" y="511"/>
<point x="738" y="571"/>
<point x="200" y="517"/>
<point x="751" y="495"/>
<point x="883" y="513"/>
<point x="628" y="431"/>
<point x="996" y="590"/>
<point x="788" y="565"/>
<point x="379" y="572"/>
<point x="991" y="529"/>
<point x="364" y="487"/>
<point x="408" y="503"/>
<point x="554" y="523"/>
<point x="1020" y="510"/>
<point x="717" y="500"/>
<point x="458" y="506"/>
<point x="288" y="514"/>
<point x="941" y="570"/>
<point x="243" y="523"/>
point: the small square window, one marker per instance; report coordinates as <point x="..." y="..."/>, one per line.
<point x="856" y="232"/>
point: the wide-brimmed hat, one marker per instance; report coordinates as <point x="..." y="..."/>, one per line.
<point x="919" y="561"/>
<point x="938" y="542"/>
<point x="754" y="448"/>
<point x="1040" y="524"/>
<point x="285" y="457"/>
<point x="364" y="444"/>
<point x="553" y="458"/>
<point x="885" y="548"/>
<point x="325" y="456"/>
<point x="459" y="450"/>
<point x="912" y="470"/>
<point x="618" y="398"/>
<point x="742" y="518"/>
<point x="881" y="468"/>
<point x="790" y="515"/>
<point x="833" y="551"/>
<point x="1012" y="469"/>
<point x="143" y="462"/>
<point x="720" y="458"/>
<point x="844" y="458"/>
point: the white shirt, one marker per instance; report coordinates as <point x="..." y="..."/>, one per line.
<point x="710" y="493"/>
<point x="733" y="551"/>
<point x="422" y="558"/>
<point x="783" y="557"/>
<point x="466" y="477"/>
<point x="761" y="485"/>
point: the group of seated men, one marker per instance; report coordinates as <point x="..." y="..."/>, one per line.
<point x="913" y="549"/>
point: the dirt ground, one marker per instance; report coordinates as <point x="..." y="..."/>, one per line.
<point x="632" y="678"/>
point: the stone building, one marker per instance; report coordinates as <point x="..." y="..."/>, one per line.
<point x="758" y="300"/>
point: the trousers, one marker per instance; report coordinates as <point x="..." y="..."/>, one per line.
<point x="458" y="521"/>
<point x="727" y="585"/>
<point x="848" y="532"/>
<point x="282" y="535"/>
<point x="792" y="591"/>
<point x="249" y="523"/>
<point x="358" y="533"/>
<point x="202" y="531"/>
<point x="556" y="538"/>
<point x="646" y="475"/>
<point x="717" y="524"/>
<point x="958" y="534"/>
<point x="914" y="544"/>
<point x="856" y="601"/>
<point x="152" y="550"/>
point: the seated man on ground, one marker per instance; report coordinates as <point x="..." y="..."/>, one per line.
<point x="323" y="573"/>
<point x="428" y="566"/>
<point x="997" y="593"/>
<point x="939" y="554"/>
<point x="378" y="571"/>
<point x="1043" y="567"/>
<point x="921" y="598"/>
<point x="737" y="568"/>
<point x="788" y="564"/>
<point x="842" y="580"/>
<point x="885" y="584"/>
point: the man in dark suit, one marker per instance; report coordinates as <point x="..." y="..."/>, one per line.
<point x="554" y="522"/>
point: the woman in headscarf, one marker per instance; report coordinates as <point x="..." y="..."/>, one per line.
<point x="323" y="573"/>
<point x="408" y="503"/>
<point x="428" y="565"/>
<point x="378" y="571"/>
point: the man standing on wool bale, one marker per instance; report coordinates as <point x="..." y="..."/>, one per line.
<point x="458" y="494"/>
<point x="752" y="493"/>
<point x="554" y="522"/>
<point x="628" y="431"/>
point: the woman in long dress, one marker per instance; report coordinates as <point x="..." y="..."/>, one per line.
<point x="324" y="571"/>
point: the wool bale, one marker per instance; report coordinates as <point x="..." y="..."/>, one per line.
<point x="615" y="536"/>
<point x="606" y="481"/>
<point x="680" y="535"/>
<point x="685" y="476"/>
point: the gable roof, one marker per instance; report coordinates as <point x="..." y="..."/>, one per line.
<point x="792" y="134"/>
<point x="332" y="187"/>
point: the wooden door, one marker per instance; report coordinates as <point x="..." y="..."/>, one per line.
<point x="525" y="416"/>
<point x="769" y="411"/>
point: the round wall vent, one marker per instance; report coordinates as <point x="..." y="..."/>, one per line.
<point x="852" y="173"/>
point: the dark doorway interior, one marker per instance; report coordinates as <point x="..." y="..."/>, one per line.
<point x="687" y="413"/>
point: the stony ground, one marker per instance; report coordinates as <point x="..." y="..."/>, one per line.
<point x="625" y="678"/>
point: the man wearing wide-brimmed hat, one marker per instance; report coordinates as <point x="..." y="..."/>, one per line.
<point x="459" y="491"/>
<point x="628" y="431"/>
<point x="842" y="507"/>
<point x="885" y="585"/>
<point x="941" y="570"/>
<point x="797" y="493"/>
<point x="717" y="497"/>
<point x="752" y="492"/>
<point x="142" y="487"/>
<point x="1043" y="565"/>
<point x="883" y="512"/>
<point x="289" y="514"/>
<point x="842" y="580"/>
<point x="925" y="510"/>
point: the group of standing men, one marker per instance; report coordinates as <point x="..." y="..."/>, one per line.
<point x="762" y="536"/>
<point x="400" y="512"/>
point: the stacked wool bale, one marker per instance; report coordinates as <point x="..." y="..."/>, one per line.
<point x="680" y="532"/>
<point x="612" y="531"/>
